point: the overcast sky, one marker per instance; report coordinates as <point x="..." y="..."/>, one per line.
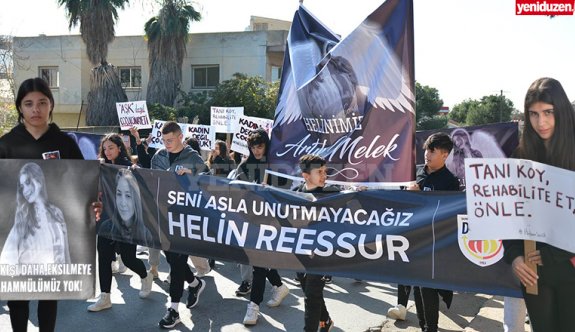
<point x="464" y="48"/>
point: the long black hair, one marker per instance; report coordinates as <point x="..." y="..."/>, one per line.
<point x="560" y="150"/>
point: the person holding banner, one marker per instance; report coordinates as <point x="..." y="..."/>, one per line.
<point x="433" y="176"/>
<point x="125" y="226"/>
<point x="253" y="170"/>
<point x="181" y="159"/>
<point x="143" y="151"/>
<point x="548" y="137"/>
<point x="35" y="137"/>
<point x="314" y="171"/>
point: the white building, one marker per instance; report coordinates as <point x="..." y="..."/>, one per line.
<point x="211" y="58"/>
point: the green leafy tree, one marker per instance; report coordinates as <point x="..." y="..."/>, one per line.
<point x="491" y="109"/>
<point x="427" y="104"/>
<point x="460" y="111"/>
<point x="195" y="106"/>
<point x="257" y="96"/>
<point x="97" y="19"/>
<point x="167" y="35"/>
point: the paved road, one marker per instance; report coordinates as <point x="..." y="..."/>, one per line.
<point x="354" y="306"/>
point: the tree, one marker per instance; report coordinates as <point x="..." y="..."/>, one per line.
<point x="97" y="19"/>
<point x="460" y="111"/>
<point x="427" y="104"/>
<point x="167" y="35"/>
<point x="491" y="109"/>
<point x="257" y="96"/>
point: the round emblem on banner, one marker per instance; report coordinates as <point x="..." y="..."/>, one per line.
<point x="479" y="252"/>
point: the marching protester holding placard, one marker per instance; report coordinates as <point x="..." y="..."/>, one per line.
<point x="548" y="137"/>
<point x="35" y="137"/>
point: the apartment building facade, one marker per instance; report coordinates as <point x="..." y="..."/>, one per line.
<point x="211" y="58"/>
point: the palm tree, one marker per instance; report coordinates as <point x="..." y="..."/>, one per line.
<point x="97" y="19"/>
<point x="167" y="35"/>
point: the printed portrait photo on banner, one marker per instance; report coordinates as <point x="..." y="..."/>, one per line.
<point x="127" y="220"/>
<point x="39" y="233"/>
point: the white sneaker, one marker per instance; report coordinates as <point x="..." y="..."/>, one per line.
<point x="103" y="302"/>
<point x="146" y="285"/>
<point x="398" y="312"/>
<point x="278" y="294"/>
<point x="251" y="317"/>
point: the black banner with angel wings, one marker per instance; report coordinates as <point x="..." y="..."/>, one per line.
<point x="349" y="100"/>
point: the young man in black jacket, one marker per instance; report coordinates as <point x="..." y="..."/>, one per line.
<point x="314" y="172"/>
<point x="433" y="176"/>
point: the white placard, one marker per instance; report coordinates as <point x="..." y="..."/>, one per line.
<point x="520" y="199"/>
<point x="157" y="133"/>
<point x="133" y="113"/>
<point x="225" y="119"/>
<point x="247" y="124"/>
<point x="206" y="135"/>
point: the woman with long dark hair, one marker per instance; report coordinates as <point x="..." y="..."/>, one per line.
<point x="549" y="138"/>
<point x="125" y="226"/>
<point x="39" y="233"/>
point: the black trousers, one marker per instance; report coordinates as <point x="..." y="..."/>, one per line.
<point x="553" y="308"/>
<point x="403" y="294"/>
<point x="315" y="309"/>
<point x="179" y="272"/>
<point x="427" y="306"/>
<point x="20" y="311"/>
<point x="259" y="282"/>
<point x="107" y="253"/>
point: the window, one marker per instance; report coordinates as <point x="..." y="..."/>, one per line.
<point x="276" y="73"/>
<point x="260" y="26"/>
<point x="205" y="77"/>
<point x="131" y="77"/>
<point x="50" y="75"/>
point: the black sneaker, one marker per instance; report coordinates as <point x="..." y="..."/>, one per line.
<point x="171" y="319"/>
<point x="327" y="279"/>
<point x="194" y="293"/>
<point x="245" y="288"/>
<point x="212" y="263"/>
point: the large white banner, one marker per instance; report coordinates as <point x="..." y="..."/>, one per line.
<point x="520" y="199"/>
<point x="225" y="119"/>
<point x="246" y="124"/>
<point x="133" y="113"/>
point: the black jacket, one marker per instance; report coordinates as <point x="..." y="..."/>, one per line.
<point x="19" y="144"/>
<point x="442" y="179"/>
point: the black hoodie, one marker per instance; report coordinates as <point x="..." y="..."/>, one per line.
<point x="20" y="144"/>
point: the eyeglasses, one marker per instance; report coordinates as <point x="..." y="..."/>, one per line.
<point x="168" y="141"/>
